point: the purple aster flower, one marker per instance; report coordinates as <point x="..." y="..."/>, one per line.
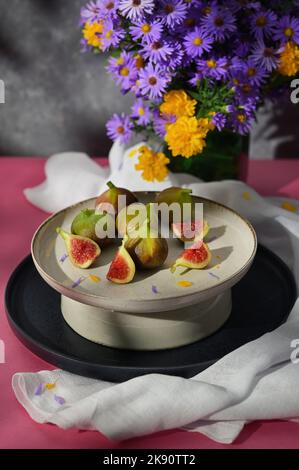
<point x="111" y="36"/>
<point x="213" y="68"/>
<point x="255" y="74"/>
<point x="241" y="117"/>
<point x="287" y="29"/>
<point x="177" y="56"/>
<point x="141" y="113"/>
<point x="237" y="5"/>
<point x="119" y="127"/>
<point x="197" y="42"/>
<point x="108" y="8"/>
<point x="161" y="121"/>
<point x="191" y="20"/>
<point x="153" y="81"/>
<point x="264" y="56"/>
<point x="219" y="23"/>
<point x="157" y="51"/>
<point x="219" y="120"/>
<point x="124" y="69"/>
<point x="135" y="9"/>
<point x="262" y="23"/>
<point x="172" y="12"/>
<point x="242" y="49"/>
<point x="91" y="12"/>
<point x="146" y="31"/>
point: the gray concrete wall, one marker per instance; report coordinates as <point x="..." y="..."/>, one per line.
<point x="58" y="99"/>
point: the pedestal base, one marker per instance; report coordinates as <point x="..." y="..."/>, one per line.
<point x="140" y="331"/>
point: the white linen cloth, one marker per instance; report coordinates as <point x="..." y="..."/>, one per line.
<point x="257" y="381"/>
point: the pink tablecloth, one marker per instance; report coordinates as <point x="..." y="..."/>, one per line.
<point x="18" y="222"/>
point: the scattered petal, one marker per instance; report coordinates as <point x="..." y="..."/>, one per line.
<point x="215" y="276"/>
<point x="63" y="258"/>
<point x="288" y="206"/>
<point x="155" y="290"/>
<point x="59" y="400"/>
<point x="247" y="196"/>
<point x="132" y="153"/>
<point x="185" y="283"/>
<point x="78" y="282"/>
<point x="39" y="390"/>
<point x="50" y="386"/>
<point x="94" y="278"/>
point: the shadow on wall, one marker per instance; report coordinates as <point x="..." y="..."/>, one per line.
<point x="276" y="133"/>
<point x="57" y="98"/>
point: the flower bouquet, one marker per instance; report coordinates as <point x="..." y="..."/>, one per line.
<point x="199" y="71"/>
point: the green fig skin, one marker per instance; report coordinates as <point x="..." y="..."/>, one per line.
<point x="148" y="253"/>
<point x="84" y="225"/>
<point x="175" y="195"/>
<point x="111" y="197"/>
<point x="123" y="218"/>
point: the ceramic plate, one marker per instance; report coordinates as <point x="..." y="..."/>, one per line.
<point x="232" y="241"/>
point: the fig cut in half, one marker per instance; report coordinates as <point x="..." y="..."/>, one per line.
<point x="196" y="257"/>
<point x="190" y="231"/>
<point x="82" y="251"/>
<point x="122" y="269"/>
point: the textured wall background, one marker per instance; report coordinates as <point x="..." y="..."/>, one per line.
<point x="58" y="99"/>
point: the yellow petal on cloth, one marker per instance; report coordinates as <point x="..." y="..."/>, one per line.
<point x="288" y="206"/>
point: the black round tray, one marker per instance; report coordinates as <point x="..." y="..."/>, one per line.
<point x="261" y="302"/>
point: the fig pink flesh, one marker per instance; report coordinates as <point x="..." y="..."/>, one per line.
<point x="82" y="250"/>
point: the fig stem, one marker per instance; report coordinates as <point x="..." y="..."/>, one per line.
<point x="110" y="185"/>
<point x="185" y="272"/>
<point x="173" y="268"/>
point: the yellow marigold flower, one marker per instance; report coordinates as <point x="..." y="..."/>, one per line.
<point x="289" y="60"/>
<point x="178" y="103"/>
<point x="92" y="32"/>
<point x="186" y="136"/>
<point x="152" y="164"/>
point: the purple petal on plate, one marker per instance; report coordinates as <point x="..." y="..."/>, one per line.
<point x="155" y="290"/>
<point x="59" y="400"/>
<point x="63" y="258"/>
<point x="78" y="282"/>
<point x="215" y="276"/>
<point x="39" y="390"/>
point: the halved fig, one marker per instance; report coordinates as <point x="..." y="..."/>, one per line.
<point x="82" y="251"/>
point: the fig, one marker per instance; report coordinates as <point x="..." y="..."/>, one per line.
<point x="150" y="251"/>
<point x="190" y="231"/>
<point x="127" y="223"/>
<point x="172" y="195"/>
<point x="124" y="218"/>
<point x="122" y="269"/>
<point x="109" y="200"/>
<point x="84" y="225"/>
<point x="196" y="257"/>
<point x="82" y="251"/>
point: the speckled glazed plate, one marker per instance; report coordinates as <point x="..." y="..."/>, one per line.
<point x="232" y="241"/>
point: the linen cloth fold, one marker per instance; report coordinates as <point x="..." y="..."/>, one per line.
<point x="260" y="380"/>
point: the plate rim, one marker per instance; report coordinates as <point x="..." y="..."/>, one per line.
<point x="102" y="301"/>
<point x="35" y="345"/>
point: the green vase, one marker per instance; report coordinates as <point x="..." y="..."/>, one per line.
<point x="224" y="157"/>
